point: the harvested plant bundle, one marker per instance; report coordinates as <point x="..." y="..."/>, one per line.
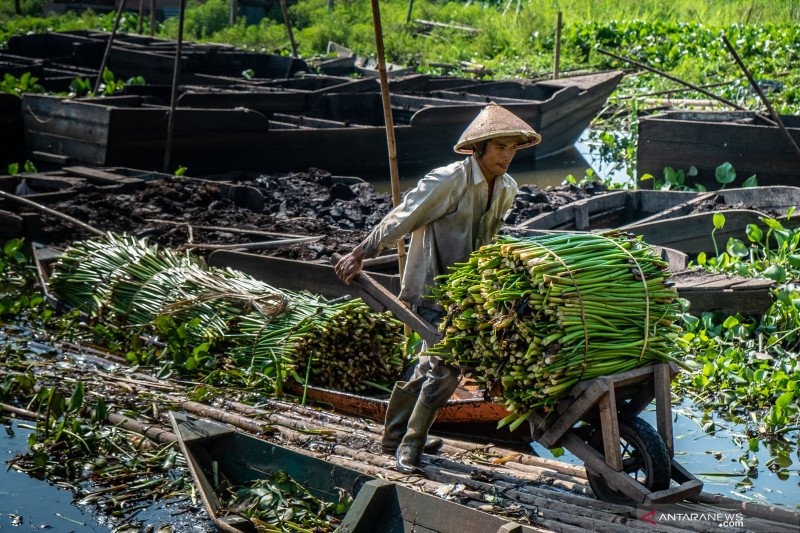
<point x="347" y="345"/>
<point x="539" y="314"/>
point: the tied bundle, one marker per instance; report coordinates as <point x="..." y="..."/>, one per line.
<point x="534" y="316"/>
<point x="338" y="344"/>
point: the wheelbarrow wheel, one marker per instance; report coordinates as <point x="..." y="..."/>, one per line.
<point x="644" y="457"/>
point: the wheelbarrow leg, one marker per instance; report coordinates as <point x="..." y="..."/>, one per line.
<point x="662" y="379"/>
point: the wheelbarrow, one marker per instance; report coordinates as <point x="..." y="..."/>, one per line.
<point x="627" y="460"/>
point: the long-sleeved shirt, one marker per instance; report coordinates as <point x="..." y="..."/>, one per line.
<point x="447" y="217"/>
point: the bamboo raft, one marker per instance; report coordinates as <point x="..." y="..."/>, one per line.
<point x="543" y="494"/>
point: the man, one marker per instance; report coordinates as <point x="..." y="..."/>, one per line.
<point x="451" y="212"/>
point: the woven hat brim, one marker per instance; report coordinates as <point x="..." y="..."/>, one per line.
<point x="534" y="139"/>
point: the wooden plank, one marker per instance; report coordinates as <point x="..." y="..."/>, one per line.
<point x="684" y="491"/>
<point x="746" y="302"/>
<point x="609" y="424"/>
<point x="619" y="380"/>
<point x="574" y="412"/>
<point x="102" y="177"/>
<point x="662" y="381"/>
<point x="596" y="462"/>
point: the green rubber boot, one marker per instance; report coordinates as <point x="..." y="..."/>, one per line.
<point x="409" y="453"/>
<point x="401" y="405"/>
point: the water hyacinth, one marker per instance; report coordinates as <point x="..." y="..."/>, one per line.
<point x="532" y="317"/>
<point x="338" y="344"/>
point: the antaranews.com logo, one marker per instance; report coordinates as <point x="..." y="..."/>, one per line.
<point x="678" y="516"/>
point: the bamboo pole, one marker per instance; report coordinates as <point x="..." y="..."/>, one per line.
<point x="152" y="18"/>
<point x="786" y="135"/>
<point x="288" y="24"/>
<point x="557" y="59"/>
<point x="53" y="212"/>
<point x="234" y="9"/>
<point x="176" y="75"/>
<point x="682" y="82"/>
<point x="104" y="61"/>
<point x="394" y="174"/>
<point x="410" y="9"/>
<point x="140" y="23"/>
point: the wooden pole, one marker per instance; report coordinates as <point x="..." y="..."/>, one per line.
<point x="104" y="62"/>
<point x="140" y="25"/>
<point x="152" y="18"/>
<point x="176" y="75"/>
<point x="234" y="9"/>
<point x="410" y="9"/>
<point x="557" y="59"/>
<point x="288" y="24"/>
<point x="760" y="92"/>
<point x="53" y="212"/>
<point x="682" y="82"/>
<point x="394" y="174"/>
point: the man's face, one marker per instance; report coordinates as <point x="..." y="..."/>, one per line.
<point x="498" y="155"/>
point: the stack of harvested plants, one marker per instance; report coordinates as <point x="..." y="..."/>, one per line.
<point x="339" y="344"/>
<point x="534" y="316"/>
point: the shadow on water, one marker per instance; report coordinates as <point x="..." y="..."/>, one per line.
<point x="715" y="459"/>
<point x="31" y="504"/>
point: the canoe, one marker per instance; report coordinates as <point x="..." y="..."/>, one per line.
<point x="705" y="140"/>
<point x="138" y="55"/>
<point x="609" y="210"/>
<point x="215" y="451"/>
<point x="687" y="230"/>
<point x="12" y="150"/>
<point x="343" y="129"/>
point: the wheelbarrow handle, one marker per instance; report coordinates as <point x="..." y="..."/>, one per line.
<point x="394" y="305"/>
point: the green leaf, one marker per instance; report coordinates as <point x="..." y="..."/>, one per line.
<point x="645" y="177"/>
<point x="725" y="173"/>
<point x="101" y="411"/>
<point x="108" y="77"/>
<point x="701" y="258"/>
<point x="753" y="445"/>
<point x="13" y="168"/>
<point x="730" y="322"/>
<point x="719" y="220"/>
<point x="29" y="166"/>
<point x="736" y="248"/>
<point x="775" y="272"/>
<point x="790" y="212"/>
<point x="692" y="171"/>
<point x="249" y="73"/>
<point x="784" y="399"/>
<point x="754" y="233"/>
<point x="76" y="401"/>
<point x="180" y="171"/>
<point x="771" y="222"/>
<point x="794" y="260"/>
<point x="752" y="181"/>
<point x="557" y="452"/>
<point x="12" y="246"/>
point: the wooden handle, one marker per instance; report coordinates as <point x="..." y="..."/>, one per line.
<point x="393" y="304"/>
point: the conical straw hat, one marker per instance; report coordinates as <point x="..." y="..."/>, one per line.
<point x="496" y="121"/>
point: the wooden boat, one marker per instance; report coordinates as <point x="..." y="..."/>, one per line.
<point x="339" y="131"/>
<point x="609" y="210"/>
<point x="12" y="150"/>
<point x="137" y="55"/>
<point x="685" y="229"/>
<point x="705" y="140"/>
<point x="214" y="451"/>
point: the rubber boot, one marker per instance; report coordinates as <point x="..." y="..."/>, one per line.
<point x="401" y="404"/>
<point x="409" y="453"/>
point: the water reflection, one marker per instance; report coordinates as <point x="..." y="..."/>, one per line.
<point x="548" y="172"/>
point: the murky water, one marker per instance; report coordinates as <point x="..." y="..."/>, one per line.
<point x="30" y="504"/>
<point x="715" y="460"/>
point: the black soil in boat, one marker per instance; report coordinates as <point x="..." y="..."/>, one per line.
<point x="306" y="203"/>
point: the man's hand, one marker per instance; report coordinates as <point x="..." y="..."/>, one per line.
<point x="349" y="266"/>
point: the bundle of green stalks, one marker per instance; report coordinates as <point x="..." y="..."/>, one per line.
<point x="338" y="344"/>
<point x="532" y="317"/>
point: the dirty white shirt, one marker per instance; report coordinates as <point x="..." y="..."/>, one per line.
<point x="447" y="217"/>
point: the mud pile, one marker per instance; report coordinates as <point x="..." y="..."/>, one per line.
<point x="341" y="211"/>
